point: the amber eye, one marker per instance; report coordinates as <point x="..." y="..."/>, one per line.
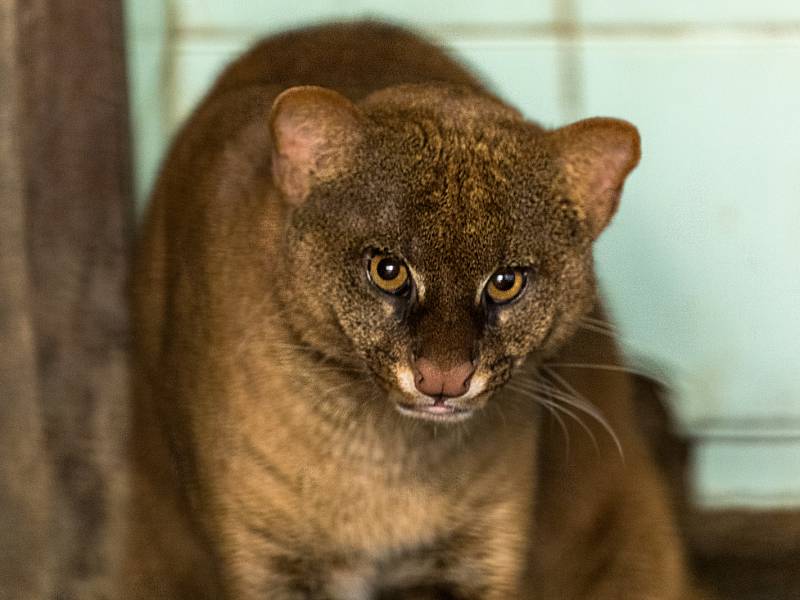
<point x="505" y="285"/>
<point x="388" y="273"/>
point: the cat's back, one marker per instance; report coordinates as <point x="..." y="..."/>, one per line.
<point x="353" y="58"/>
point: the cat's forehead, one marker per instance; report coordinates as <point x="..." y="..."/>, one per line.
<point x="452" y="182"/>
<point x="457" y="203"/>
<point x="455" y="211"/>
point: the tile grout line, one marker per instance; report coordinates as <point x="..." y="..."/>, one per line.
<point x="569" y="58"/>
<point x="557" y="28"/>
<point x="169" y="70"/>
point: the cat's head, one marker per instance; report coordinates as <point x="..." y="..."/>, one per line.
<point x="436" y="237"/>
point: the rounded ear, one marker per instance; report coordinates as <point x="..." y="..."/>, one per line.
<point x="595" y="156"/>
<point x="313" y="131"/>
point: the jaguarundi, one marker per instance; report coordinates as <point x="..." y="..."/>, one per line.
<point x="366" y="316"/>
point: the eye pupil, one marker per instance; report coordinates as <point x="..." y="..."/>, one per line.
<point x="388" y="273"/>
<point x="504" y="280"/>
<point x="388" y="268"/>
<point x="505" y="285"/>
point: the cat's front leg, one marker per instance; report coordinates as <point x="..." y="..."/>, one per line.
<point x="640" y="561"/>
<point x="631" y="550"/>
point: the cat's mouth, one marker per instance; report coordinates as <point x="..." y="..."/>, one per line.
<point x="439" y="409"/>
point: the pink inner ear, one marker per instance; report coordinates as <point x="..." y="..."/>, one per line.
<point x="298" y="141"/>
<point x="606" y="177"/>
<point x="294" y="155"/>
<point x="611" y="167"/>
<point x="293" y="183"/>
<point x="296" y="147"/>
<point x="597" y="155"/>
<point x="311" y="128"/>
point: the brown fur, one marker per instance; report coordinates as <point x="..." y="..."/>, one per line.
<point x="265" y="358"/>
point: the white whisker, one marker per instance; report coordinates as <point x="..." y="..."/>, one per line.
<point x="608" y="367"/>
<point x="596" y="329"/>
<point x="599" y="323"/>
<point x="580" y="402"/>
<point x="549" y="405"/>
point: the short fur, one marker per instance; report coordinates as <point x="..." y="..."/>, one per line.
<point x="273" y="461"/>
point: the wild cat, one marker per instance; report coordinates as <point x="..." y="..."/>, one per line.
<point x="359" y="300"/>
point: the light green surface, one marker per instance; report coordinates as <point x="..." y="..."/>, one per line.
<point x="689" y="12"/>
<point x="146" y="29"/>
<point x="702" y="264"/>
<point x="255" y="15"/>
<point x="703" y="261"/>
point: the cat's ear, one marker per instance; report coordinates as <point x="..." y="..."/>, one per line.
<point x="313" y="130"/>
<point x="595" y="156"/>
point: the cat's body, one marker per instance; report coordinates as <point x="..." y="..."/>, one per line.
<point x="273" y="371"/>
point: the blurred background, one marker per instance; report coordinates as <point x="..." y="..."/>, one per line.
<point x="701" y="266"/>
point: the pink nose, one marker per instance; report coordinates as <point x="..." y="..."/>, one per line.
<point x="433" y="381"/>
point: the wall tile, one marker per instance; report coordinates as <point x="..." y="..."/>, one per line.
<point x="197" y="63"/>
<point x="218" y="14"/>
<point x="759" y="473"/>
<point x="522" y="72"/>
<point x="701" y="264"/>
<point x="146" y="57"/>
<point x="707" y="12"/>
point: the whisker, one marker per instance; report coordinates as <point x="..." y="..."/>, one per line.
<point x="599" y="323"/>
<point x="498" y="407"/>
<point x="575" y="417"/>
<point x="596" y="329"/>
<point x="550" y="409"/>
<point x="563" y="426"/>
<point x="608" y="367"/>
<point x="336" y="412"/>
<point x="554" y="395"/>
<point x="554" y="408"/>
<point x="314" y="369"/>
<point x="580" y="402"/>
<point x="331" y="390"/>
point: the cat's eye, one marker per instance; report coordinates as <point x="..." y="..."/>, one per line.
<point x="505" y="285"/>
<point x="388" y="273"/>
